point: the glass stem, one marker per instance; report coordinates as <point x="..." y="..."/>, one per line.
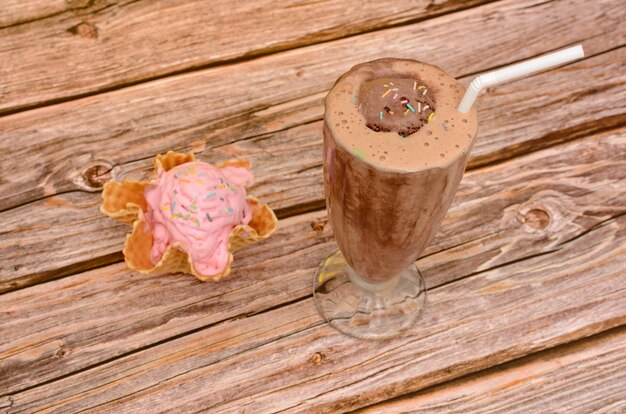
<point x="370" y="286"/>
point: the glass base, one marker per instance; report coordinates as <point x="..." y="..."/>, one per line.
<point x="363" y="309"/>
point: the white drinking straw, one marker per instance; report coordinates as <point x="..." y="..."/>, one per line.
<point x="518" y="70"/>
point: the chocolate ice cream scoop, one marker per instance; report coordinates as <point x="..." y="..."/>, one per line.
<point x="401" y="105"/>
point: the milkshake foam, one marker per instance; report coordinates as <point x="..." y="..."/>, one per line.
<point x="364" y="117"/>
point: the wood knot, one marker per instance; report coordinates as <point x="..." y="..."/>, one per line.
<point x="317" y="358"/>
<point x="318" y="225"/>
<point x="299" y="73"/>
<point x="86" y="30"/>
<point x="60" y="353"/>
<point x="537" y="219"/>
<point x="94" y="175"/>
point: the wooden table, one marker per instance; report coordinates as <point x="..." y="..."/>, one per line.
<point x="527" y="276"/>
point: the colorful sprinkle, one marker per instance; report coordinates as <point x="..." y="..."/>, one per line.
<point x="173" y="205"/>
<point x="222" y="198"/>
<point x="380" y="114"/>
<point x="391" y="112"/>
<point x="395" y="96"/>
<point x="182" y="180"/>
<point x="187" y="216"/>
<point x="391" y="83"/>
<point x="414" y="84"/>
<point x="444" y="126"/>
<point x="192" y="206"/>
<point x="425" y="90"/>
<point x="419" y="107"/>
<point x="431" y="116"/>
<point x="410" y="107"/>
<point x="394" y="89"/>
<point x="353" y="98"/>
<point x="385" y="85"/>
<point x="210" y="196"/>
<point x="200" y="182"/>
<point x="421" y="87"/>
<point x="404" y="101"/>
<point x="230" y="210"/>
<point x="359" y="153"/>
<point x="426" y="107"/>
<point x="406" y="112"/>
<point x="386" y="93"/>
<point x="208" y="217"/>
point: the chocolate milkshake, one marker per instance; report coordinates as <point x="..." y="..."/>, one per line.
<point x="397" y="135"/>
<point x="395" y="148"/>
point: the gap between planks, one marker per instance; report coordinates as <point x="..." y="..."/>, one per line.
<point x="476" y="380"/>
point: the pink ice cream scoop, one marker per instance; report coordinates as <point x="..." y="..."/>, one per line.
<point x="195" y="206"/>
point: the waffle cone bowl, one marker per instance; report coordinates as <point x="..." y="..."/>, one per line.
<point x="125" y="202"/>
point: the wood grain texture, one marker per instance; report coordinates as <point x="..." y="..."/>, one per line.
<point x="583" y="377"/>
<point x="582" y="295"/>
<point x="15" y="12"/>
<point x="530" y="257"/>
<point x="287" y="359"/>
<point x="528" y="206"/>
<point x="77" y="144"/>
<point x="60" y="50"/>
<point x="287" y="164"/>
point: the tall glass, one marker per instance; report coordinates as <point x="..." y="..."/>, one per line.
<point x="395" y="149"/>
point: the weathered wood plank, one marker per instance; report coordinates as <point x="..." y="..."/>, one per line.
<point x="536" y="203"/>
<point x="288" y="168"/>
<point x="506" y="314"/>
<point x="285" y="359"/>
<point x="583" y="377"/>
<point x="64" y="147"/>
<point x="14" y="12"/>
<point x="84" y="46"/>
